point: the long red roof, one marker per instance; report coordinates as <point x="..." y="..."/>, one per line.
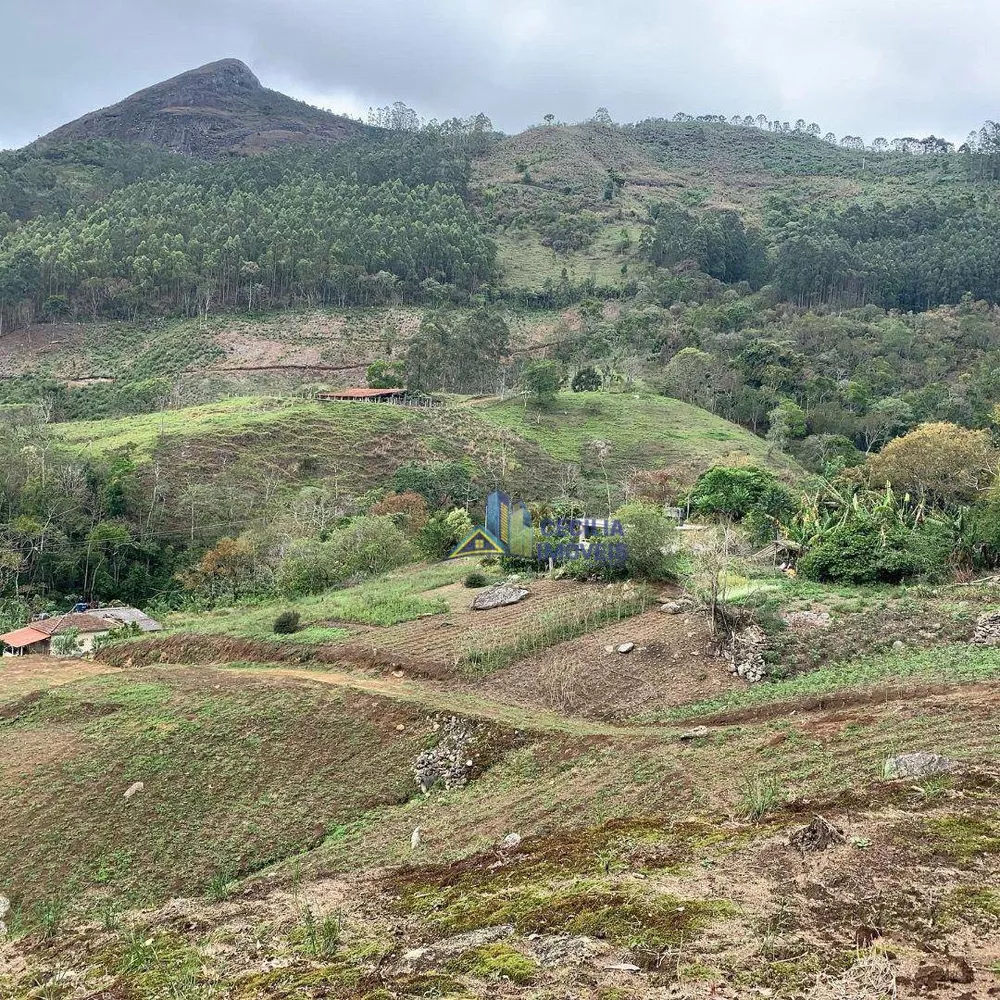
<point x="357" y="393"/>
<point x="48" y="627"/>
<point x="22" y="637"/>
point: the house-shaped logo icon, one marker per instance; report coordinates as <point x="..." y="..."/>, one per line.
<point x="507" y="531"/>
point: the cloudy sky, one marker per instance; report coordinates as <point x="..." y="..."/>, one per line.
<point x="865" y="67"/>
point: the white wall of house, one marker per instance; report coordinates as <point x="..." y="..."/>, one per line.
<point x="84" y="641"/>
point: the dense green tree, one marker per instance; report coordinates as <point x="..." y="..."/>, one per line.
<point x="735" y="492"/>
<point x="542" y="378"/>
<point x="461" y="352"/>
<point x="383" y="374"/>
<point x="439" y="483"/>
<point x="939" y="462"/>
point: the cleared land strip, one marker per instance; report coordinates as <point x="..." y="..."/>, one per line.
<point x="442" y="699"/>
<point x="978" y="699"/>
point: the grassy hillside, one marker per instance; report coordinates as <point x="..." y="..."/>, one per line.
<point x="253" y="446"/>
<point x="623" y="432"/>
<point x="237" y="773"/>
<point x="529" y="180"/>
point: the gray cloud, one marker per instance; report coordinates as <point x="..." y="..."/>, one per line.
<point x="870" y="68"/>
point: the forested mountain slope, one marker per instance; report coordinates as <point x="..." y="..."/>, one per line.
<point x="111" y="227"/>
<point x="827" y="295"/>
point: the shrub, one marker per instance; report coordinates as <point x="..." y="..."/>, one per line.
<point x="589" y="569"/>
<point x="287" y="622"/>
<point x="866" y="549"/>
<point x="586" y="380"/>
<point x="439" y="483"/>
<point x="982" y="534"/>
<point x="476" y="579"/>
<point x="229" y="571"/>
<point x="320" y="934"/>
<point x="758" y="796"/>
<point x="409" y="510"/>
<point x="649" y="538"/>
<point x="759" y="528"/>
<point x="67" y="643"/>
<point x="442" y="532"/>
<point x="733" y="493"/>
<point x="127" y="630"/>
<point x="542" y="378"/>
<point x="365" y="547"/>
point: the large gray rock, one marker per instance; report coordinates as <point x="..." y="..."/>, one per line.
<point x="498" y="596"/>
<point x="919" y="764"/>
<point x="562" y="949"/>
<point x="450" y="947"/>
<point x="511" y="842"/>
<point x="677" y="607"/>
<point x="694" y="734"/>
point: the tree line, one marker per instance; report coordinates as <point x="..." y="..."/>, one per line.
<point x="355" y="227"/>
<point x="984" y="140"/>
<point x="906" y="255"/>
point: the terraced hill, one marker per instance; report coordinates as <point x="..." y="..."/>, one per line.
<point x="250" y="830"/>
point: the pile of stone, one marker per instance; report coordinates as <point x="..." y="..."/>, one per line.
<point x="987" y="632"/>
<point x="807" y="619"/>
<point x="450" y="762"/>
<point x="679" y="607"/>
<point x="745" y="653"/>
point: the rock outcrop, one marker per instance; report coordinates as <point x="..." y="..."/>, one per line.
<point x="206" y="112"/>
<point x="919" y="764"/>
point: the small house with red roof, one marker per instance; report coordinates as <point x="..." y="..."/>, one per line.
<point x="37" y="637"/>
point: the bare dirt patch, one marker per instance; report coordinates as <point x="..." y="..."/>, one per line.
<point x="21" y="675"/>
<point x="673" y="662"/>
<point x="26" y="347"/>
